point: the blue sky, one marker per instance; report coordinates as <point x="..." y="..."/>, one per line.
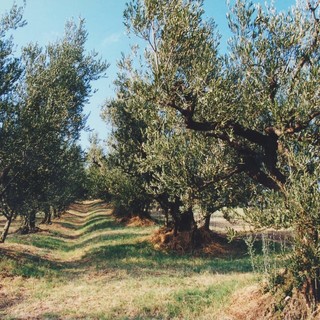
<point x="107" y="35"/>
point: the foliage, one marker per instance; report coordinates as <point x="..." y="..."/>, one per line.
<point x="96" y="182"/>
<point x="296" y="207"/>
<point x="108" y="180"/>
<point x="41" y="122"/>
<point x="177" y="168"/>
<point x="260" y="101"/>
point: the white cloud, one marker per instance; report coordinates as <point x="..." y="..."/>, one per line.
<point x="112" y="38"/>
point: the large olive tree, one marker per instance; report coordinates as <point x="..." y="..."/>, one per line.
<point x="175" y="167"/>
<point x="261" y="100"/>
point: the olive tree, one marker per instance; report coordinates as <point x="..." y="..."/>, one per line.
<point x="45" y="123"/>
<point x="261" y="99"/>
<point x="10" y="75"/>
<point x="173" y="166"/>
<point x="126" y="184"/>
<point x="57" y="85"/>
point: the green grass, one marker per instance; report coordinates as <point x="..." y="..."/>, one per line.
<point x="30" y="266"/>
<point x="88" y="266"/>
<point x="193" y="301"/>
<point x="141" y="255"/>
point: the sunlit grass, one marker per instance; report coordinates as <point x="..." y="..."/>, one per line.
<point x="99" y="269"/>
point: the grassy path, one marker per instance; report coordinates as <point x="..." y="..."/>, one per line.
<point x="87" y="266"/>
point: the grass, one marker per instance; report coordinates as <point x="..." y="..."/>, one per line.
<point x="87" y="266"/>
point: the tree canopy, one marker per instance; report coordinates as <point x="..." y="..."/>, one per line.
<point x="42" y="98"/>
<point x="198" y="126"/>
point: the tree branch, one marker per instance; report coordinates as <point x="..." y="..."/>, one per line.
<point x="305" y="58"/>
<point x="220" y="177"/>
<point x="299" y="126"/>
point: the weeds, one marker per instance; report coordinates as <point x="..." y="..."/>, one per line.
<point x="268" y="255"/>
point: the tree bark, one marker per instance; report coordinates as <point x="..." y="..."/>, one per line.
<point x="174" y="209"/>
<point x="207" y="222"/>
<point x="29" y="223"/>
<point x="47" y="216"/>
<point x="254" y="169"/>
<point x="25" y="225"/>
<point x="164" y="204"/>
<point x="166" y="217"/>
<point x="186" y="222"/>
<point x="56" y="213"/>
<point x="32" y="220"/>
<point x="307" y="243"/>
<point x="6" y="228"/>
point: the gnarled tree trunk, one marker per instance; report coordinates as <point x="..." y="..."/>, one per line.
<point x="47" y="215"/>
<point x="187" y="222"/>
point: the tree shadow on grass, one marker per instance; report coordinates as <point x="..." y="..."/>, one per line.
<point x="84" y="208"/>
<point x="8" y="301"/>
<point x="120" y="249"/>
<point x="94" y="224"/>
<point x="97" y="225"/>
<point x="50" y="316"/>
<point x="79" y="207"/>
<point x="102" y="211"/>
<point x="98" y="222"/>
<point x="29" y="265"/>
<point x="106" y="239"/>
<point x="80" y="219"/>
<point x="142" y="256"/>
<point x="136" y="259"/>
<point x="54" y="243"/>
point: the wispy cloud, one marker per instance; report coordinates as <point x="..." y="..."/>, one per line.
<point x="112" y="38"/>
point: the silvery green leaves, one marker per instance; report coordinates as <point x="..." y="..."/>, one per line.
<point x="41" y="117"/>
<point x="253" y="112"/>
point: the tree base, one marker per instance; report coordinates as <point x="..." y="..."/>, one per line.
<point x="27" y="230"/>
<point x="198" y="241"/>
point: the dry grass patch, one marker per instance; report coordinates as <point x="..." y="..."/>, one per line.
<point x="117" y="295"/>
<point x="137" y="222"/>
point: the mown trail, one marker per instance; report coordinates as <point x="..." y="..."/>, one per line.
<point x="87" y="266"/>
